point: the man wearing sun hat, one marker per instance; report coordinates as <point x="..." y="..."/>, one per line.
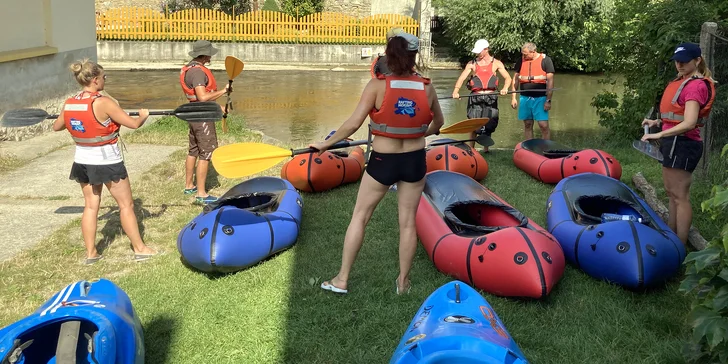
<point x="198" y="84"/>
<point x="484" y="83"/>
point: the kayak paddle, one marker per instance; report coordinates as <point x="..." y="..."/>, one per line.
<point x="192" y="112"/>
<point x="481" y="139"/>
<point x="647" y="148"/>
<point x="245" y="159"/>
<point x="465" y="126"/>
<point x="234" y="67"/>
<point x="498" y="94"/>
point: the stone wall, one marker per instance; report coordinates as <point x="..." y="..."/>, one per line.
<point x="176" y="52"/>
<point x="355" y="8"/>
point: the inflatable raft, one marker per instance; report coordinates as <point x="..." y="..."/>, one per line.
<point x="550" y="162"/>
<point x="473" y="235"/>
<point x="456" y="325"/>
<point x="254" y="220"/>
<point x="458" y="157"/>
<point x="630" y="253"/>
<point x="312" y="172"/>
<point x="86" y="322"/>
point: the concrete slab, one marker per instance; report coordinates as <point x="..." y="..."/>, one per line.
<point x="48" y="176"/>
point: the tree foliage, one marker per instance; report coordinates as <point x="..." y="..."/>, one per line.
<point x="639" y="41"/>
<point x="271" y="5"/>
<point x="226" y="6"/>
<point x="707" y="279"/>
<point x="562" y="29"/>
<point x="299" y="8"/>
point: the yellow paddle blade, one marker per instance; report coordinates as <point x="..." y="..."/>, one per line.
<point x="245" y="159"/>
<point x="233" y="66"/>
<point x="465" y="126"/>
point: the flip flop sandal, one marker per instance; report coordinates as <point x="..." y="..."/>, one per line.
<point x="143" y="257"/>
<point x="93" y="260"/>
<point x="330" y="287"/>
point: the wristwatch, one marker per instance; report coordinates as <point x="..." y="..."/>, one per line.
<point x="548" y="100"/>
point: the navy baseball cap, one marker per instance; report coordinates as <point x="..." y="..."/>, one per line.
<point x="686" y="52"/>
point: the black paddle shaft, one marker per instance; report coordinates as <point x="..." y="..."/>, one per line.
<point x="191" y="112"/>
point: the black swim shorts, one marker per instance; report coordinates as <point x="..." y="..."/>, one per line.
<point x="389" y="168"/>
<point x="685" y="155"/>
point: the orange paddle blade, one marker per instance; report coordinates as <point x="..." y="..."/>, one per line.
<point x="465" y="126"/>
<point x="245" y="159"/>
<point x="233" y="66"/>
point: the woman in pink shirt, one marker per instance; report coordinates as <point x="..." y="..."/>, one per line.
<point x="685" y="105"/>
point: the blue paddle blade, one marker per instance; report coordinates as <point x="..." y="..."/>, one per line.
<point x="648" y="149"/>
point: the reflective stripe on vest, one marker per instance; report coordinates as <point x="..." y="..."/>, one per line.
<point x="97" y="139"/>
<point x="393" y="130"/>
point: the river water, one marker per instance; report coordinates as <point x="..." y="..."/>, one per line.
<point x="299" y="107"/>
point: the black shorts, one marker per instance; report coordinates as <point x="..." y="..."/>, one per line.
<point x="685" y="155"/>
<point x="98" y="174"/>
<point x="484" y="106"/>
<point x="390" y="168"/>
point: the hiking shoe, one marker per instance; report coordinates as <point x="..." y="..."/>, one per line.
<point x="206" y="200"/>
<point x="189" y="191"/>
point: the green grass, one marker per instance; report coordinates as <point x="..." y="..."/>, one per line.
<point x="9" y="163"/>
<point x="274" y="312"/>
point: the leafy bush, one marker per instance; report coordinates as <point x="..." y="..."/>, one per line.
<point x="301" y="8"/>
<point x="271" y="5"/>
<point x="707" y="279"/>
<point x="563" y="29"/>
<point x="640" y="41"/>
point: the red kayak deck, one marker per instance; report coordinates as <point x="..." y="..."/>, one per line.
<point x="458" y="157"/>
<point x="550" y="162"/>
<point x="475" y="236"/>
<point x="311" y="172"/>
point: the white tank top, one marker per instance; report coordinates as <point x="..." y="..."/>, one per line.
<point x="98" y="155"/>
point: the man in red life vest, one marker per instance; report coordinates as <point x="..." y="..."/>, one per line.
<point x="534" y="71"/>
<point x="484" y="83"/>
<point x="198" y="84"/>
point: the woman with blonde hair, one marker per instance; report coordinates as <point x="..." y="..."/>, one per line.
<point x="403" y="108"/>
<point x="684" y="107"/>
<point x="93" y="121"/>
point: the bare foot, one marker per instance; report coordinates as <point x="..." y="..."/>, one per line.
<point x="146" y="251"/>
<point x="403" y="286"/>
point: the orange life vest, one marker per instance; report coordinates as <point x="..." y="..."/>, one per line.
<point x="531" y="70"/>
<point x="190" y="92"/>
<point x="85" y="129"/>
<point x="672" y="112"/>
<point x="405" y="111"/>
<point x="484" y="78"/>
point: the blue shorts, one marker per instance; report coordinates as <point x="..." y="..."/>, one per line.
<point x="531" y="108"/>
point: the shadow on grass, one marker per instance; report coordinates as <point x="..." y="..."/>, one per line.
<point x="112" y="229"/>
<point x="163" y="329"/>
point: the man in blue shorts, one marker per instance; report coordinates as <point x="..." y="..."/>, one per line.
<point x="534" y="73"/>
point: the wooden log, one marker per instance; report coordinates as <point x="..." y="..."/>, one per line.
<point x="694" y="237"/>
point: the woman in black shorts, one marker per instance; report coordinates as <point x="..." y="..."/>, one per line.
<point x="404" y="109"/>
<point x="685" y="105"/>
<point x="93" y="122"/>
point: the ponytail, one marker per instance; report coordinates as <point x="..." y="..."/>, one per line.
<point x="703" y="69"/>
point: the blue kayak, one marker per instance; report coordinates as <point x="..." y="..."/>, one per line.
<point x="640" y="251"/>
<point x="456" y="325"/>
<point x="254" y="220"/>
<point x="86" y="322"/>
